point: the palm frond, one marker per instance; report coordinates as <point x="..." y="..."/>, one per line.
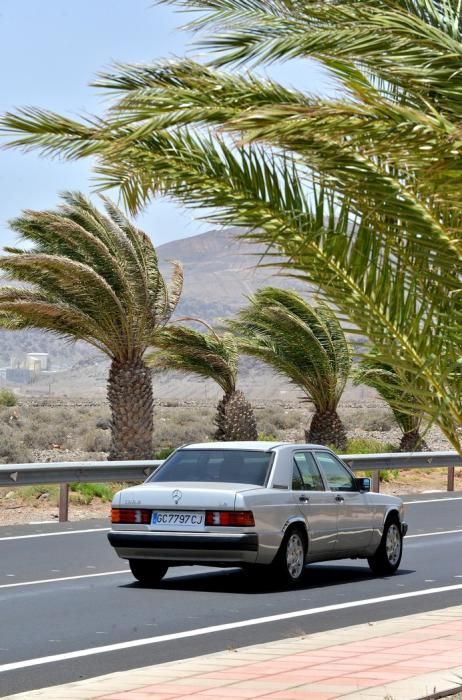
<point x="190" y="351"/>
<point x="90" y="276"/>
<point x="300" y="341"/>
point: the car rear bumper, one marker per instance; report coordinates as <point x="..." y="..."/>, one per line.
<point x="404" y="527"/>
<point x="187" y="548"/>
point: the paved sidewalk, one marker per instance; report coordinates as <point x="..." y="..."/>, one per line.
<point x="406" y="658"/>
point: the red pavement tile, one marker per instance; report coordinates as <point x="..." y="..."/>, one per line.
<point x="431" y="646"/>
<point x="237" y="674"/>
<point x="136" y="695"/>
<point x="386" y="676"/>
<point x="356" y="679"/>
<point x="345" y="665"/>
<point x="273" y="666"/>
<point x="306" y="676"/>
<point x="366" y="682"/>
<point x="456" y="625"/>
<point x="424" y="666"/>
<point x="347" y="681"/>
<point x="174" y="688"/>
<point x="338" y="652"/>
<point x="230" y="692"/>
<point x="300" y="695"/>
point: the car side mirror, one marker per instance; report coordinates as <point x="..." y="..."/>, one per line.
<point x="363" y="483"/>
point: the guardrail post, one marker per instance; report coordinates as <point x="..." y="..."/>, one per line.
<point x="376" y="481"/>
<point x="63" y="503"/>
<point x="451" y="471"/>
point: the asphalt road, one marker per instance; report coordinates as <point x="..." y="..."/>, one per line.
<point x="70" y="609"/>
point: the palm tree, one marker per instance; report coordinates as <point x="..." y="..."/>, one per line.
<point x="387" y="382"/>
<point x="94" y="277"/>
<point x="360" y="194"/>
<point x="215" y="357"/>
<point x="304" y="343"/>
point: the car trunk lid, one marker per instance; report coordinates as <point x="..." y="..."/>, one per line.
<point x="183" y="495"/>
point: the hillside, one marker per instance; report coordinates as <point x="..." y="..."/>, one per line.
<point x="220" y="271"/>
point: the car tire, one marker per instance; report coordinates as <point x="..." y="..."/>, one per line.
<point x="387" y="558"/>
<point x="289" y="564"/>
<point x="147" y="571"/>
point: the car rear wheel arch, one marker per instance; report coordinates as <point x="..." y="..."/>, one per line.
<point x="299" y="523"/>
<point x="294" y="545"/>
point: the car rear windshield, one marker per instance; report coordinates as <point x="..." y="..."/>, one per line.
<point x="226" y="466"/>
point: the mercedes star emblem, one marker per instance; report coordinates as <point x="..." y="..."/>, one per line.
<point x="176" y="495"/>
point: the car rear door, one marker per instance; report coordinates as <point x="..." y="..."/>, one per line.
<point x="355" y="516"/>
<point x="318" y="506"/>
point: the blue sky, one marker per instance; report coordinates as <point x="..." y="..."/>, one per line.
<point x="50" y="51"/>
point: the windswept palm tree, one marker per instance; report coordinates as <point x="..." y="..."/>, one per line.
<point x="214" y="357"/>
<point x="94" y="277"/>
<point x="387" y="382"/>
<point x="360" y="194"/>
<point x="304" y="343"/>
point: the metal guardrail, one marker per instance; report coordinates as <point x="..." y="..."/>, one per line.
<point x="404" y="460"/>
<point x="64" y="473"/>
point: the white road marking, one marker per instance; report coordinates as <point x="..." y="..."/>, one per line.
<point x="433" y="500"/>
<point x="432" y="534"/>
<point x="54" y="534"/>
<point x="27" y="663"/>
<point x="58" y="580"/>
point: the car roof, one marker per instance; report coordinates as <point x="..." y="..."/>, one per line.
<point x="262" y="446"/>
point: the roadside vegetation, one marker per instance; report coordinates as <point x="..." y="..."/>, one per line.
<point x="210" y="356"/>
<point x="306" y="344"/>
<point x="358" y="195"/>
<point x="68" y="433"/>
<point x="93" y="276"/>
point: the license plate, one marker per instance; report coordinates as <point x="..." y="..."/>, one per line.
<point x="178" y="520"/>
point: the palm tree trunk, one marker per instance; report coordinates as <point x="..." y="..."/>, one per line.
<point x="412" y="441"/>
<point x="327" y="429"/>
<point x="131" y="402"/>
<point x="235" y="419"/>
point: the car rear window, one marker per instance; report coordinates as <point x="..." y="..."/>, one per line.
<point x="226" y="466"/>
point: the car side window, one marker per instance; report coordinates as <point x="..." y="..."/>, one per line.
<point x="306" y="474"/>
<point x="337" y="477"/>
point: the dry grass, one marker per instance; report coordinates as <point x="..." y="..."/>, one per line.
<point x="26" y="430"/>
<point x="63" y="433"/>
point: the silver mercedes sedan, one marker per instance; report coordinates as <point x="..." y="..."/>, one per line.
<point x="271" y="506"/>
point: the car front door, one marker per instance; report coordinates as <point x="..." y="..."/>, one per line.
<point x="355" y="517"/>
<point x="318" y="506"/>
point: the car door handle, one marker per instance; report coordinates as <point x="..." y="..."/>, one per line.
<point x="339" y="499"/>
<point x="304" y="499"/>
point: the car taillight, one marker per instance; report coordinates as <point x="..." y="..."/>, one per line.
<point x="131" y="516"/>
<point x="230" y="518"/>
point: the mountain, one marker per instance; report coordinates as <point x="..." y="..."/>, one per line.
<point x="220" y="271"/>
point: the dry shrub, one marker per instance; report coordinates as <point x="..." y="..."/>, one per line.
<point x="369" y="419"/>
<point x="95" y="441"/>
<point x="12" y="448"/>
<point x="274" y="420"/>
<point x="175" y="426"/>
